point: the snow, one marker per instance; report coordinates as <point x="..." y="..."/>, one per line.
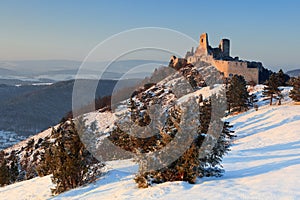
<point x="38" y="84"/>
<point x="206" y="92"/>
<point x="36" y="188"/>
<point x="264" y="164"/>
<point x="103" y="120"/>
<point x="258" y="91"/>
<point x="35" y="84"/>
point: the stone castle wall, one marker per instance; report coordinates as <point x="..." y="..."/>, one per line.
<point x="221" y="59"/>
<point x="230" y="68"/>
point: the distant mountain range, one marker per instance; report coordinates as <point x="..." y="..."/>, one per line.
<point x="6" y="72"/>
<point x="28" y="109"/>
<point x="59" y="70"/>
<point x="36" y="94"/>
<point x="294" y="73"/>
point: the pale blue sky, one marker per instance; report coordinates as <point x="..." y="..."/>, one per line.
<point x="267" y="31"/>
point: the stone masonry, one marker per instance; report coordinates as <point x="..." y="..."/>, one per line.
<point x="221" y="59"/>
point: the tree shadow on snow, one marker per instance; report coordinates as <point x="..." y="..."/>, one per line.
<point x="112" y="176"/>
<point x="266" y="126"/>
<point x="261" y="169"/>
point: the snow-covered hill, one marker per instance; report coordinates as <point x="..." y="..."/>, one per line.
<point x="264" y="164"/>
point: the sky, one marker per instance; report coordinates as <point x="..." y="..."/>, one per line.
<point x="266" y="31"/>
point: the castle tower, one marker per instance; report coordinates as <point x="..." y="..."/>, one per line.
<point x="203" y="45"/>
<point x="225" y="47"/>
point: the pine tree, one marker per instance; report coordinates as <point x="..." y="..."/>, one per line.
<point x="13" y="170"/>
<point x="4" y="170"/>
<point x="237" y="94"/>
<point x="205" y="113"/>
<point x="211" y="164"/>
<point x="271" y="90"/>
<point x="295" y="92"/>
<point x="184" y="168"/>
<point x="4" y="173"/>
<point x="44" y="168"/>
<point x="281" y="78"/>
<point x="67" y="159"/>
<point x="189" y="166"/>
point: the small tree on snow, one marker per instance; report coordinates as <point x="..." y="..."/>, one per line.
<point x="271" y="90"/>
<point x="295" y="92"/>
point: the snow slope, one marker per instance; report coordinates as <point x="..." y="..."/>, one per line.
<point x="36" y="188"/>
<point x="264" y="164"/>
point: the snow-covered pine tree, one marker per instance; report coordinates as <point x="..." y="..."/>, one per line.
<point x="237" y="94"/>
<point x="43" y="168"/>
<point x="68" y="160"/>
<point x="271" y="89"/>
<point x="211" y="164"/>
<point x="188" y="166"/>
<point x="295" y="92"/>
<point x="205" y="115"/>
<point x="182" y="169"/>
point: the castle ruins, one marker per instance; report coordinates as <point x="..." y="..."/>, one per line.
<point x="221" y="59"/>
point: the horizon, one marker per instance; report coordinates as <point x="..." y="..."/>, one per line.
<point x="273" y="68"/>
<point x="258" y="31"/>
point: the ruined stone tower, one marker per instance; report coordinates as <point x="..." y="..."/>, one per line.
<point x="203" y="41"/>
<point x="224" y="46"/>
<point x="203" y="45"/>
